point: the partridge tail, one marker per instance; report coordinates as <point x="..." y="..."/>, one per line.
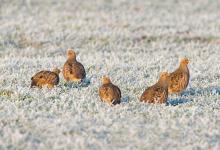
<point x="33" y="83"/>
<point x="115" y="102"/>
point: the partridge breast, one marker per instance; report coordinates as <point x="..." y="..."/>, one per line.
<point x="110" y="94"/>
<point x="178" y="82"/>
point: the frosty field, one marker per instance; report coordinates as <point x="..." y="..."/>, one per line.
<point x="131" y="41"/>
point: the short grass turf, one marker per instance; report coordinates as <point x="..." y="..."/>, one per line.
<point x="132" y="42"/>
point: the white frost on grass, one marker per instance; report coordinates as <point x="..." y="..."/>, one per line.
<point x="132" y="42"/>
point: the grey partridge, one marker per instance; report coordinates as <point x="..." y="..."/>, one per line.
<point x="73" y="70"/>
<point x="45" y="78"/>
<point x="109" y="92"/>
<point x="158" y="93"/>
<point x="179" y="79"/>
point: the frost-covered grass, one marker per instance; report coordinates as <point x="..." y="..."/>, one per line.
<point x="132" y="42"/>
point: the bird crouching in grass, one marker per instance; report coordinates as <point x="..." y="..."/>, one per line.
<point x="45" y="78"/>
<point x="109" y="92"/>
<point x="73" y="71"/>
<point x="158" y="93"/>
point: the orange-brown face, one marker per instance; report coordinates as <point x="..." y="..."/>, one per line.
<point x="71" y="54"/>
<point x="185" y="61"/>
<point x="106" y="80"/>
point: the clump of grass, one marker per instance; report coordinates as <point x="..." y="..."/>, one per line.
<point x="25" y="97"/>
<point x="6" y="93"/>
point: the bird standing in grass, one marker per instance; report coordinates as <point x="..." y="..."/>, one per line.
<point x="109" y="92"/>
<point x="45" y="78"/>
<point x="179" y="79"/>
<point x="73" y="70"/>
<point x="158" y="93"/>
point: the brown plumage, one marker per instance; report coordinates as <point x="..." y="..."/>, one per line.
<point x="72" y="69"/>
<point x="109" y="92"/>
<point x="179" y="79"/>
<point x="158" y="93"/>
<point x="45" y="78"/>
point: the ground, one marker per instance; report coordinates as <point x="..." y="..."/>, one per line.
<point x="131" y="41"/>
